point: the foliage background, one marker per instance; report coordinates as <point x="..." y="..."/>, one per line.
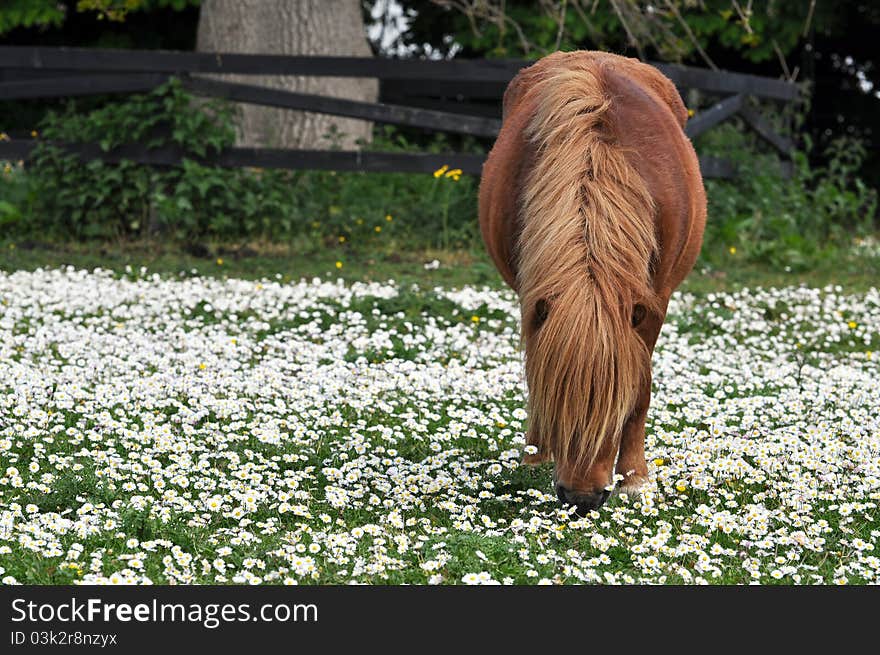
<point x="785" y="222"/>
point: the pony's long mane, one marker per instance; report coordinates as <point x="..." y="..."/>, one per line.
<point x="584" y="259"/>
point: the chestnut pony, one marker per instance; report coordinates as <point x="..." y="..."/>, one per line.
<point x="592" y="208"/>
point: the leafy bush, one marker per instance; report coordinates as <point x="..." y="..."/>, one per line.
<point x="791" y="220"/>
<point x="15" y="196"/>
<point x="761" y="215"/>
<point x="195" y="201"/>
<point x="99" y="199"/>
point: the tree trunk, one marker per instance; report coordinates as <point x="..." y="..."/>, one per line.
<point x="292" y="27"/>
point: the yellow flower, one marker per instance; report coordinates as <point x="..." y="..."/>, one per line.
<point x="691" y="113"/>
<point x="341" y="239"/>
<point x="219" y="261"/>
<point x="681" y="486"/>
<point x="388" y="217"/>
<point x="732" y="250"/>
<point x="35" y="134"/>
<point x="659" y="461"/>
<point x="852" y="325"/>
<point x="4" y="136"/>
<point x="202" y="367"/>
<point x="455" y="173"/>
<point x="869" y="354"/>
<point x="378" y="228"/>
<point x="475" y="319"/>
<point x="338" y="264"/>
<point x="441" y="170"/>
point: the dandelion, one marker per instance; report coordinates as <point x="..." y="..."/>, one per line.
<point x="732" y="250"/>
<point x="440" y="171"/>
<point x="377" y="229"/>
<point x="338" y="264"/>
<point x="219" y="261"/>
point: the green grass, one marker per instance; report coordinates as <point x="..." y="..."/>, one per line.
<point x="406" y="266"/>
<point x="468" y="550"/>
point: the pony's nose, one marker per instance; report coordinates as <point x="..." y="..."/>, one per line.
<point x="583" y="502"/>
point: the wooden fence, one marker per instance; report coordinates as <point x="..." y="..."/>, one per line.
<point x="458" y="96"/>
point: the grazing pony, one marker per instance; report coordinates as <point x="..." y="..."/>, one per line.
<point x="592" y="208"/>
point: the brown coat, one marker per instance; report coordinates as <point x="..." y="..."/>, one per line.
<point x="592" y="208"/>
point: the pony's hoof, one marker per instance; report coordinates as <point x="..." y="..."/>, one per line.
<point x="534" y="460"/>
<point x="631" y="485"/>
<point x="583" y="502"/>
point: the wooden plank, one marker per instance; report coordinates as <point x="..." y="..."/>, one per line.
<point x="26" y="74"/>
<point x="80" y="85"/>
<point x="16" y="149"/>
<point x="161" y="61"/>
<point x="726" y="82"/>
<point x="444" y="89"/>
<point x="380" y="113"/>
<point x="715" y="167"/>
<point x="763" y="129"/>
<point x="334" y="160"/>
<point x="485" y="109"/>
<point x="455" y="70"/>
<point x="711" y="117"/>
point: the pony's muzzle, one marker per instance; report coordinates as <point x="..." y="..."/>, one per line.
<point x="583" y="502"/>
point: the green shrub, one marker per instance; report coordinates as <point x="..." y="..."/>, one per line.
<point x="15" y="196"/>
<point x="98" y="199"/>
<point x="194" y="201"/>
<point x="761" y="215"/>
<point x="766" y="216"/>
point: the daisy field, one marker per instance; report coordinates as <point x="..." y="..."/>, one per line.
<point x="188" y="429"/>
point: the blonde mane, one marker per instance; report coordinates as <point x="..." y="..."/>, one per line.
<point x="584" y="258"/>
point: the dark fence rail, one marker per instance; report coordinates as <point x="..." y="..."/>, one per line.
<point x="459" y="96"/>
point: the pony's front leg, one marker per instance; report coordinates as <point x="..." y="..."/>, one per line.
<point x="631" y="462"/>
